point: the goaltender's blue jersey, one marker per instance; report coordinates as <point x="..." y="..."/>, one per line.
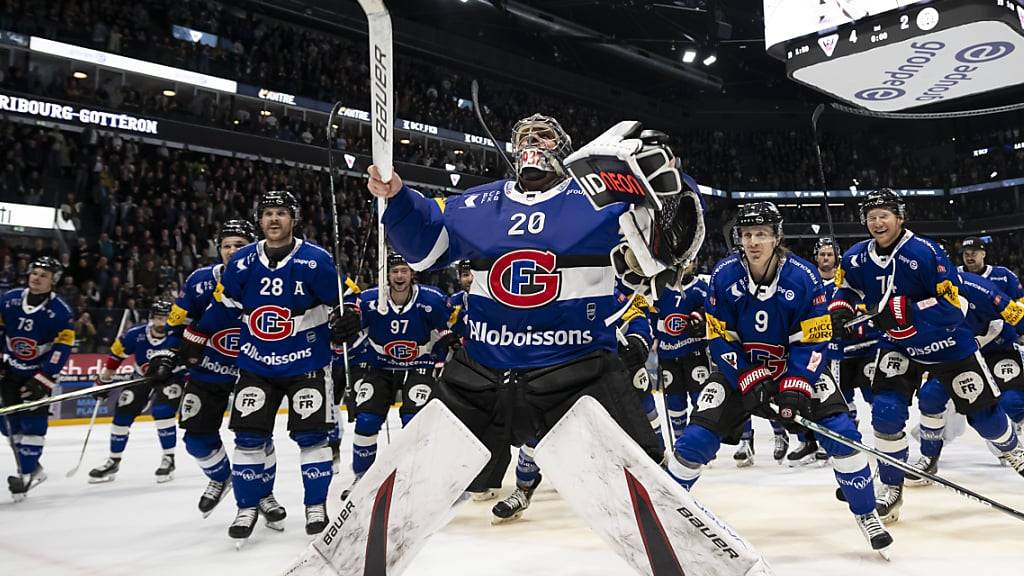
<point x="672" y="314"/>
<point x="284" y="308"/>
<point x="992" y="315"/>
<point x="36" y="338"/>
<point x="920" y="270"/>
<point x="193" y="299"/>
<point x="404" y="336"/>
<point x="783" y="326"/>
<point x="139" y="343"/>
<point x="223" y="326"/>
<point x="542" y="275"/>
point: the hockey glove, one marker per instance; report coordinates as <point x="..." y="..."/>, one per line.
<point x="161" y="366"/>
<point x="193" y="347"/>
<point x="344" y="324"/>
<point x="697" y="327"/>
<point x="840" y="314"/>
<point x="757" y="387"/>
<point x="895" y="318"/>
<point x="449" y="341"/>
<point x="634" y="356"/>
<point x="794" y="398"/>
<point x="38" y="386"/>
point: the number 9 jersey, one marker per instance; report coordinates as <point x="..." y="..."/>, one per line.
<point x="783" y="325"/>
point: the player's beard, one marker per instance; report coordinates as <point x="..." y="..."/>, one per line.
<point x="534" y="180"/>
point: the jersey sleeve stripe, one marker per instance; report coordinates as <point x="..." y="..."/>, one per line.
<point x="439" y="248"/>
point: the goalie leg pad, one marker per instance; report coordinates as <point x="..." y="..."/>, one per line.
<point x="406" y="496"/>
<point x="654" y="524"/>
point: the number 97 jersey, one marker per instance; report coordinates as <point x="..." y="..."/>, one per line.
<point x="783" y="326"/>
<point x="403" y="337"/>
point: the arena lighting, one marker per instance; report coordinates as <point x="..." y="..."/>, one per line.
<point x="79" y="75"/>
<point x="457" y="152"/>
<point x="689" y="55"/>
<point x="169" y="93"/>
<point x="993" y="174"/>
<point x="404" y="141"/>
<point x="711" y="59"/>
<point x="264" y="112"/>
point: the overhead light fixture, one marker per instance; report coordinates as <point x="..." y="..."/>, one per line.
<point x="169" y="93"/>
<point x="264" y="112"/>
<point x="404" y="141"/>
<point x="711" y="59"/>
<point x="79" y="75"/>
<point x="993" y="175"/>
<point x="457" y="152"/>
<point x="689" y="55"/>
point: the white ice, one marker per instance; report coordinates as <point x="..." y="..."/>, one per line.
<point x="133" y="526"/>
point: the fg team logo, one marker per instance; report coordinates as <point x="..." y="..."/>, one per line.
<point x="675" y="324"/>
<point x="771" y="355"/>
<point x="525" y="279"/>
<point x="23" y="348"/>
<point x="226" y="342"/>
<point x="271" y="323"/>
<point x="402" y="350"/>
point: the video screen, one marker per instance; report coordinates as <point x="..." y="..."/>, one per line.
<point x="788" y="19"/>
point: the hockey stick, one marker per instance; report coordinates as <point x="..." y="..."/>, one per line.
<point x="821" y="173"/>
<point x="85" y="443"/>
<point x="664" y="406"/>
<point x="70" y="396"/>
<point x="475" y="90"/>
<point x="382" y="119"/>
<point x="337" y="237"/>
<point x="970" y="495"/>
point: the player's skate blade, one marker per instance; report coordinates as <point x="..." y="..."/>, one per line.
<point x="744" y="456"/>
<point x="213" y="495"/>
<point x="802" y="455"/>
<point x="241" y="528"/>
<point x="875" y="533"/>
<point x="20" y="485"/>
<point x="106" y="472"/>
<point x="484" y="495"/>
<point x="316" y="518"/>
<point x="273" y="513"/>
<point x="926" y="463"/>
<point x="165" y="473"/>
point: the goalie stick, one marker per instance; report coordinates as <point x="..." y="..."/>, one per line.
<point x="475" y="90"/>
<point x="382" y="119"/>
<point x="69" y="396"/>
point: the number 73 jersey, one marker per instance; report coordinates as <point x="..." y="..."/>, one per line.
<point x="782" y="327"/>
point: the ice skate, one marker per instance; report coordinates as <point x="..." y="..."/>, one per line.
<point x="803" y="454"/>
<point x="1015" y="459"/>
<point x="875" y="533"/>
<point x="20" y="485"/>
<point x="744" y="456"/>
<point x="888" y="503"/>
<point x="273" y="513"/>
<point x="105" y="473"/>
<point x="484" y="495"/>
<point x="214" y="493"/>
<point x="927" y="464"/>
<point x="512" y="507"/>
<point x="241" y="528"/>
<point x="316" y="518"/>
<point x="781" y="447"/>
<point x="165" y="473"/>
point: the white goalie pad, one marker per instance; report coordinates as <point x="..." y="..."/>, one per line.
<point x="408" y="494"/>
<point x="634" y="505"/>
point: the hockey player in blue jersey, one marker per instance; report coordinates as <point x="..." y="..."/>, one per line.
<point x="542" y="284"/>
<point x="37" y="327"/>
<point x="459" y="301"/>
<point x="212" y="371"/>
<point x="974" y="252"/>
<point x="635" y="340"/>
<point x="287" y="291"/>
<point x="142" y="342"/>
<point x="769" y="333"/>
<point x="912" y="284"/>
<point x="994" y="318"/>
<point x="683" y="362"/>
<point x="403" y="340"/>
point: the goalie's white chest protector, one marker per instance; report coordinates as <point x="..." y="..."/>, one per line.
<point x="542" y="277"/>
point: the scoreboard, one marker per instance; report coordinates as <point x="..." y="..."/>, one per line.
<point x="888" y="55"/>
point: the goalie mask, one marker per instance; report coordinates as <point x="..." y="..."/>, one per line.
<point x="540" y="147"/>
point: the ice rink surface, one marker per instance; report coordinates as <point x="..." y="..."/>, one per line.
<point x="133" y="526"/>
